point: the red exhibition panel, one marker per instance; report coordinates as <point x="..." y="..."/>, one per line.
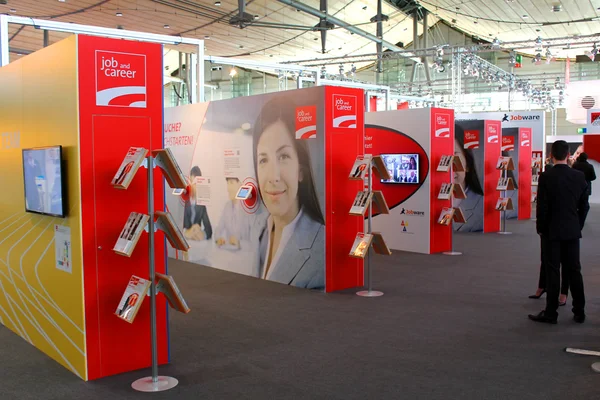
<point x="492" y="151"/>
<point x="525" y="173"/>
<point x="121" y="104"/>
<point x="373" y="103"/>
<point x="442" y="143"/>
<point x="344" y="140"/>
<point x="591" y="146"/>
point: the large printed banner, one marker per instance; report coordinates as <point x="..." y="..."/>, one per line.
<point x="520" y="152"/>
<point x="477" y="143"/>
<point x="273" y="145"/>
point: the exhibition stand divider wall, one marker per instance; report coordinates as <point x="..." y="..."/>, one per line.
<point x="96" y="98"/>
<point x="411" y="144"/>
<point x="591" y="145"/>
<point x="292" y="151"/>
<point x="478" y="143"/>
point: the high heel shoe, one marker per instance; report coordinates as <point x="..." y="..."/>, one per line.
<point x="535" y="296"/>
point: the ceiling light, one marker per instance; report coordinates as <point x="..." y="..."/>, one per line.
<point x="120" y="27"/>
<point x="364" y="7"/>
<point x="12" y="10"/>
<point x="217" y="3"/>
<point x="241" y="46"/>
<point x="62" y="1"/>
<point x="556" y="7"/>
<point x="206" y="37"/>
<point x="525" y="16"/>
<point x="166" y="26"/>
<point x="119" y="14"/>
<point x="496" y="43"/>
<point x="256" y="16"/>
<point x="232" y="72"/>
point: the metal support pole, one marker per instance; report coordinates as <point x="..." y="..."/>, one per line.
<point x="370" y="292"/>
<point x="46" y="38"/>
<point x="180" y="75"/>
<point x="200" y="74"/>
<point x="425" y="63"/>
<point x="415" y="44"/>
<point x="153" y="383"/>
<point x="452" y="252"/>
<point x="3" y="40"/>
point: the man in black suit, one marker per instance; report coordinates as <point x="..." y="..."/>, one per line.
<point x="562" y="202"/>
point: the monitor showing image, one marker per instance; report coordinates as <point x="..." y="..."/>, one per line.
<point x="403" y="168"/>
<point x="43" y="181"/>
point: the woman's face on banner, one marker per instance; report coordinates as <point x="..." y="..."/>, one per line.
<point x="278" y="170"/>
<point x="459" y="177"/>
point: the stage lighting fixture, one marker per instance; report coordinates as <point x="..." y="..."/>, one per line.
<point x="232" y="72"/>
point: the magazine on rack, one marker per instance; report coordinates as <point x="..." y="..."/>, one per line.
<point x="535" y="179"/>
<point x="445" y="191"/>
<point x="170" y="168"/>
<point x="458" y="191"/>
<point x="135" y="225"/>
<point x="361" y="245"/>
<point x="446" y="216"/>
<point x="444" y="164"/>
<point x="505" y="184"/>
<point x="459" y="216"/>
<point x="166" y="284"/>
<point x="505" y="163"/>
<point x="360" y="167"/>
<point x="167" y="224"/>
<point x="132" y="162"/>
<point x="132" y="299"/>
<point x="504" y="203"/>
<point x="361" y="202"/>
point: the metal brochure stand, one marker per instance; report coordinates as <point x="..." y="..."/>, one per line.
<point x="505" y="169"/>
<point x="369" y="292"/>
<point x="154" y="383"/>
<point x="452" y="252"/>
<point x="159" y="158"/>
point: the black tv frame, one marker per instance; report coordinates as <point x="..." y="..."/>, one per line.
<point x="63" y="181"/>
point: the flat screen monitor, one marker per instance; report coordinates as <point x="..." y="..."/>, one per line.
<point x="44" y="181"/>
<point x="403" y="168"/>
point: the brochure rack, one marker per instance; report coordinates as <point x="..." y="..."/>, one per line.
<point x="450" y="191"/>
<point x="505" y="184"/>
<point x="536" y="171"/>
<point x="363" y="168"/>
<point x="164" y="160"/>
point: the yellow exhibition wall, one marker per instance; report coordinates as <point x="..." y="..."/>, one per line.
<point x="39" y="107"/>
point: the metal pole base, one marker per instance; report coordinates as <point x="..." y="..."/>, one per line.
<point x="504" y="233"/>
<point x="369" y="293"/>
<point x="146" y="384"/>
<point x="583" y="352"/>
<point x="452" y="253"/>
<point x="596" y="366"/>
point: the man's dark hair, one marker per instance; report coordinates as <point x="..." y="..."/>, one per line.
<point x="560" y="150"/>
<point x="583" y="157"/>
<point x="195" y="171"/>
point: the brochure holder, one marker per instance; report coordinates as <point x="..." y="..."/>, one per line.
<point x="162" y="158"/>
<point x="535" y="179"/>
<point x="504" y="203"/>
<point x="132" y="298"/>
<point x="131" y="233"/>
<point x="505" y="184"/>
<point x="457" y="192"/>
<point x="166" y="285"/>
<point x="366" y="166"/>
<point x="444" y="164"/>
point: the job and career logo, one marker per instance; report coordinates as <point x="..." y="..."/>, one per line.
<point x="120" y="79"/>
<point x="508" y="143"/>
<point x="306" y="122"/>
<point x="442" y="125"/>
<point x="472" y="139"/>
<point x="525" y="139"/>
<point x="492" y="134"/>
<point x="344" y="111"/>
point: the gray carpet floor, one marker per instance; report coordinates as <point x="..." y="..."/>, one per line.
<point x="446" y="328"/>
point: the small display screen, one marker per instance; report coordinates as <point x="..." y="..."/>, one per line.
<point x="178" y="192"/>
<point x="244" y="192"/>
<point x="43" y="181"/>
<point x="403" y="168"/>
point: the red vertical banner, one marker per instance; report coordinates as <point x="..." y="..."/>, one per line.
<point x="442" y="143"/>
<point x="344" y="141"/>
<point x="492" y="151"/>
<point x="402" y="105"/>
<point x="525" y="173"/>
<point x="120" y="106"/>
<point x="373" y="103"/>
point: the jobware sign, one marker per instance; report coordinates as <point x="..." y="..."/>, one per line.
<point x="120" y="79"/>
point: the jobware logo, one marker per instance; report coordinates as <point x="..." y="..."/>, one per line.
<point x="344" y="111"/>
<point x="306" y="122"/>
<point x="442" y="125"/>
<point x="120" y="79"/>
<point x="525" y="139"/>
<point x="492" y="134"/>
<point x="471" y="139"/>
<point x="520" y="117"/>
<point x="412" y="212"/>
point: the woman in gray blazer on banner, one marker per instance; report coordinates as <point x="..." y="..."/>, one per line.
<point x="292" y="244"/>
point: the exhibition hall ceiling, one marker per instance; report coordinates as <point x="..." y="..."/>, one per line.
<point x="292" y="39"/>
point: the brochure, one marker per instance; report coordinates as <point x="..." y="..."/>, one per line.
<point x="167" y="224"/>
<point x="166" y="161"/>
<point x="361" y="245"/>
<point x="166" y="284"/>
<point x="459" y="216"/>
<point x="504" y="203"/>
<point x="132" y="299"/>
<point x="444" y="164"/>
<point x="134" y="158"/>
<point x="445" y="191"/>
<point x="361" y="202"/>
<point x="505" y="163"/>
<point x="360" y="167"/>
<point x="535" y="179"/>
<point x="446" y="216"/>
<point x="135" y="225"/>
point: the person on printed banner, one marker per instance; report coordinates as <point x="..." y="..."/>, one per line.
<point x="196" y="224"/>
<point x="562" y="202"/>
<point x="472" y="206"/>
<point x="235" y="224"/>
<point x="412" y="178"/>
<point x="292" y="244"/>
<point x="413" y="163"/>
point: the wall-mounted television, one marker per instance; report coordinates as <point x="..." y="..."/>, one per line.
<point x="44" y="181"/>
<point x="403" y="168"/>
